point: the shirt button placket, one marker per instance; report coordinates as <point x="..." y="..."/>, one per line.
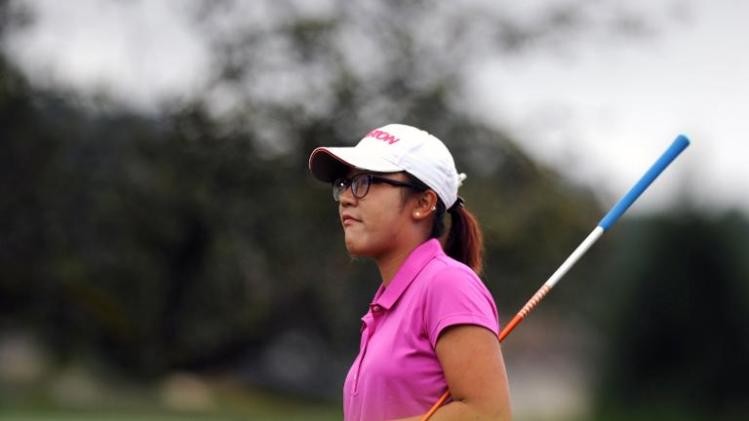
<point x="370" y="323"/>
<point x="367" y="331"/>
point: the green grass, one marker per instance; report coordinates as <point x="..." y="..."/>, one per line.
<point x="256" y="406"/>
<point x="665" y="412"/>
<point x="32" y="414"/>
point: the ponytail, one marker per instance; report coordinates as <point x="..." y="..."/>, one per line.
<point x="464" y="241"/>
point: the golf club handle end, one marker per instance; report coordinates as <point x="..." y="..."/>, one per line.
<point x="679" y="144"/>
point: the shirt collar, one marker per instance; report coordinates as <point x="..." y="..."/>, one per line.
<point x="414" y="263"/>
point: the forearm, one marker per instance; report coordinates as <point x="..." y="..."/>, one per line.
<point x="460" y="410"/>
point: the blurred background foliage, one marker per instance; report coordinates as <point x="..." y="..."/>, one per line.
<point x="193" y="240"/>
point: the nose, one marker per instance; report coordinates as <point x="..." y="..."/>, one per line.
<point x="346" y="197"/>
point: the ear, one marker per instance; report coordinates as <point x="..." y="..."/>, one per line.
<point x="426" y="204"/>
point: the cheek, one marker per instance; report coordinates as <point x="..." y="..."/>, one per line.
<point x="375" y="235"/>
<point x="368" y="238"/>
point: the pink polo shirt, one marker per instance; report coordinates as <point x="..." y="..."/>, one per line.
<point x="397" y="373"/>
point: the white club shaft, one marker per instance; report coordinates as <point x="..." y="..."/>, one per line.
<point x="574" y="257"/>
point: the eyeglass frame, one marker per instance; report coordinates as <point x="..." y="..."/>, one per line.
<point x="342" y="183"/>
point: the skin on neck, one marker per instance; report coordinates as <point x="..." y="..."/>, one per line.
<point x="389" y="263"/>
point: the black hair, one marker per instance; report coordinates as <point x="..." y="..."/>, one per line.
<point x="464" y="241"/>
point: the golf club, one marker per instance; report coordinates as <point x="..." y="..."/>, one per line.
<point x="611" y="217"/>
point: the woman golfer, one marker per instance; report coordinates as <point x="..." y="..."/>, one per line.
<point x="432" y="324"/>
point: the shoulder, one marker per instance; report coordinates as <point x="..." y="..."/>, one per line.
<point x="455" y="295"/>
<point x="453" y="287"/>
<point x="449" y="275"/>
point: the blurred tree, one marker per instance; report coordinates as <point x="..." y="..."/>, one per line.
<point x="196" y="237"/>
<point x="679" y="333"/>
<point x="298" y="78"/>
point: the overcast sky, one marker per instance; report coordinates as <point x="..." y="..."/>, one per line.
<point x="608" y="109"/>
<point x="611" y="111"/>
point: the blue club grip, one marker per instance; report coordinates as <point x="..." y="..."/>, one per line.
<point x="625" y="202"/>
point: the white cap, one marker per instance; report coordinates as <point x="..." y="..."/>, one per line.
<point x="394" y="148"/>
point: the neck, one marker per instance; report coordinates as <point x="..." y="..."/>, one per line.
<point x="389" y="263"/>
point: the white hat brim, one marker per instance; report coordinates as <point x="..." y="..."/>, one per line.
<point x="327" y="164"/>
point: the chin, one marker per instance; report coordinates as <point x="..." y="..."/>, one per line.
<point x="355" y="249"/>
<point x="358" y="247"/>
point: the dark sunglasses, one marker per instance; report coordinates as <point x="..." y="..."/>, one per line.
<point x="360" y="185"/>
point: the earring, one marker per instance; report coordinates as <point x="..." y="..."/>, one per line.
<point x="434" y="208"/>
<point x="418" y="213"/>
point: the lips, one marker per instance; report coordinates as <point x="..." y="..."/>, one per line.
<point x="347" y="220"/>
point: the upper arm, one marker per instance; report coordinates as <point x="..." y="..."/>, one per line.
<point x="474" y="369"/>
<point x="462" y="325"/>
